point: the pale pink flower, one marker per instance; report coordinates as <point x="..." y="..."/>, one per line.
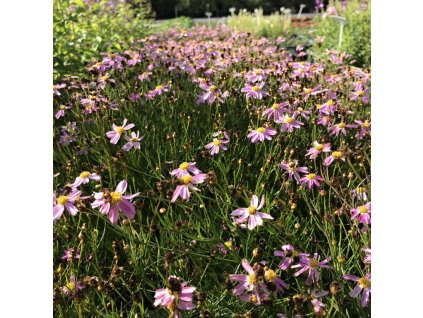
<point x="362" y="213"/>
<point x="311" y="264"/>
<point x="363" y="283"/>
<point x="111" y="202"/>
<point x="184" y="169"/>
<point x="65" y="201"/>
<point x="336" y="155"/>
<point x="218" y="143"/>
<point x="187" y="182"/>
<point x="276" y="110"/>
<point x="292" y="170"/>
<point x="340" y="128"/>
<point x="84" y="178"/>
<point x="133" y="141"/>
<point x="252" y="214"/>
<point x="117" y="131"/>
<point x="311" y="180"/>
<point x="317" y="149"/>
<point x="261" y="133"/>
<point x="289" y="123"/>
<point x="254" y="91"/>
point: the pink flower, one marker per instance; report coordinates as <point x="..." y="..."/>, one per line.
<point x="57" y="87"/>
<point x="84" y="178"/>
<point x="117" y="131"/>
<point x="212" y="93"/>
<point x="61" y="111"/>
<point x="362" y="213"/>
<point x="359" y="193"/>
<point x="276" y="110"/>
<point x="363" y="283"/>
<point x="336" y="155"/>
<point x="311" y="180"/>
<point x="340" y="128"/>
<point x="159" y="90"/>
<point x="111" y="202"/>
<point x="261" y="133"/>
<point x="217" y="143"/>
<point x="317" y="149"/>
<point x="65" y="201"/>
<point x="289" y="123"/>
<point x="184" y="169"/>
<point x="368" y="257"/>
<point x="360" y="93"/>
<point x="176" y="296"/>
<point x="71" y="254"/>
<point x="252" y="213"/>
<point x="292" y="170"/>
<point x="254" y="91"/>
<point x="311" y="264"/>
<point x="133" y="141"/>
<point x="187" y="182"/>
<point x="289" y="254"/>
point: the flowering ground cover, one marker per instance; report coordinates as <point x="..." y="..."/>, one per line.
<point x="207" y="174"/>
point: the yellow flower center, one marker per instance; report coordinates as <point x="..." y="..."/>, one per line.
<point x="120" y="130"/>
<point x="257" y="72"/>
<point x="84" y="174"/>
<point x="311" y="176"/>
<point x="363" y="209"/>
<point x="185" y="179"/>
<point x="336" y="154"/>
<point x="289" y="120"/>
<point x="319" y="147"/>
<point x="54" y="87"/>
<point x="270" y="275"/>
<point x="360" y="93"/>
<point x="256" y="88"/>
<point x="184" y="166"/>
<point x="134" y="139"/>
<point x="314" y="262"/>
<point x="291" y="164"/>
<point x="252" y="209"/>
<point x="216" y="142"/>
<point x="366" y="124"/>
<point x="360" y="190"/>
<point x="252" y="278"/>
<point x="300" y="109"/>
<point x="330" y="102"/>
<point x="116" y="197"/>
<point x="62" y="200"/>
<point x="341" y="125"/>
<point x="307" y="90"/>
<point x="261" y="129"/>
<point x="70" y="286"/>
<point x="213" y="88"/>
<point x="62" y="107"/>
<point x="104" y="78"/>
<point x="159" y="87"/>
<point x="228" y="244"/>
<point x="364" y="282"/>
<point x="275" y="106"/>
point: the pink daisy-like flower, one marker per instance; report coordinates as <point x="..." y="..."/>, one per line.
<point x="368" y="257"/>
<point x="317" y="149"/>
<point x="184" y="169"/>
<point x="84" y="178"/>
<point x="255" y="218"/>
<point x="61" y="111"/>
<point x="187" y="182"/>
<point x="363" y="283"/>
<point x="340" y="128"/>
<point x="360" y="193"/>
<point x="336" y="155"/>
<point x="212" y="93"/>
<point x="362" y="213"/>
<point x="311" y="180"/>
<point x="311" y="264"/>
<point x="289" y="123"/>
<point x="292" y="170"/>
<point x="133" y="141"/>
<point x="117" y="131"/>
<point x="302" y="112"/>
<point x="360" y="93"/>
<point x="254" y="91"/>
<point x="261" y="133"/>
<point x="218" y="143"/>
<point x="276" y="110"/>
<point x="176" y="296"/>
<point x="71" y="254"/>
<point x="111" y="202"/>
<point x="289" y="254"/>
<point x="72" y="287"/>
<point x="57" y="87"/>
<point x="65" y="201"/>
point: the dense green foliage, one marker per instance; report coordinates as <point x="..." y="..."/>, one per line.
<point x="84" y="29"/>
<point x="356" y="36"/>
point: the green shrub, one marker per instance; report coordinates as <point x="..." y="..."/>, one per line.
<point x="84" y="29"/>
<point x="180" y="23"/>
<point x="356" y="36"/>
